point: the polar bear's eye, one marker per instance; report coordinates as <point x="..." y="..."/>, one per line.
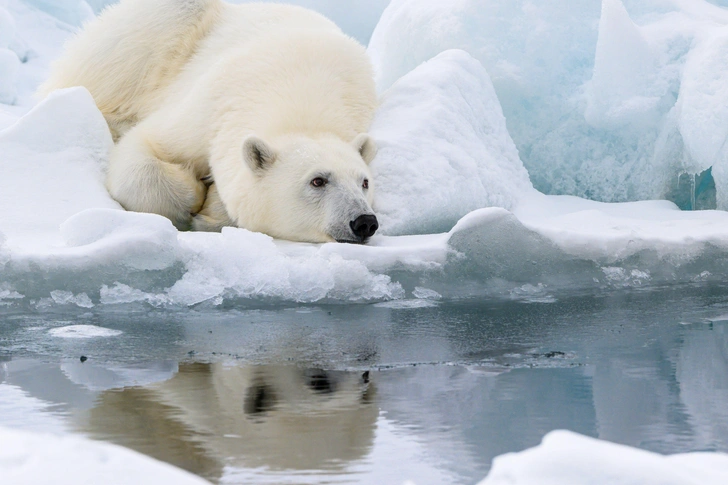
<point x="365" y="185"/>
<point x="318" y="182"/>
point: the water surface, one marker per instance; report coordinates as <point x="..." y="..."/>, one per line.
<point x="380" y="393"/>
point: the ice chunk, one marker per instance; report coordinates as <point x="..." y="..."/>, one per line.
<point x="568" y="458"/>
<point x="53" y="162"/>
<point x="47" y="128"/>
<point x="68" y="298"/>
<point x="242" y="264"/>
<point x="623" y="71"/>
<point x="444" y="149"/>
<point x="83" y="332"/>
<point x="703" y="111"/>
<point x="29" y="458"/>
<point x="129" y="239"/>
<point x="72" y="12"/>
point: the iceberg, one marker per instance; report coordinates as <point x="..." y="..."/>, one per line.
<point x="444" y="149"/>
<point x="607" y="100"/>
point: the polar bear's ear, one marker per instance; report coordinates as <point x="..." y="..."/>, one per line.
<point x="258" y="155"/>
<point x="366" y="146"/>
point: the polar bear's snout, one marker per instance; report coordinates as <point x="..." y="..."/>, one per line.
<point x="364" y="226"/>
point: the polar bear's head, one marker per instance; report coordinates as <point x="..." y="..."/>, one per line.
<point x="310" y="189"/>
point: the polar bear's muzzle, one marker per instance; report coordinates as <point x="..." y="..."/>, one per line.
<point x="364" y="226"/>
<point x="359" y="231"/>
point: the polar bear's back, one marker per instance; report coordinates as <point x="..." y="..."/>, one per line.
<point x="129" y="56"/>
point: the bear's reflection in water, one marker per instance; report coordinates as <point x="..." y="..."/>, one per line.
<point x="209" y="416"/>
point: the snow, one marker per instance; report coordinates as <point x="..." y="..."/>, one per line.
<point x="565" y="458"/>
<point x="32" y="458"/>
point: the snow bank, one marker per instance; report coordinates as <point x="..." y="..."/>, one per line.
<point x="444" y="149"/>
<point x="565" y="458"/>
<point x="30" y="459"/>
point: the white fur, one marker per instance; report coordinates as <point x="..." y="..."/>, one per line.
<point x="184" y="84"/>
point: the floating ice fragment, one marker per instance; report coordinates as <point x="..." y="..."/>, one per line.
<point x="120" y="294"/>
<point x="426" y="294"/>
<point x="406" y="304"/>
<point x="83" y="332"/>
<point x="68" y="298"/>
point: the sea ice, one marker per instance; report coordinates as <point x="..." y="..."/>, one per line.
<point x="66" y="241"/>
<point x="566" y="458"/>
<point x="34" y="458"/>
<point x="83" y="332"/>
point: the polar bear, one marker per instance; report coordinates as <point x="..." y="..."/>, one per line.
<point x="252" y="115"/>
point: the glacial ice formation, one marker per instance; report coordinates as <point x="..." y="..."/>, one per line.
<point x="608" y="100"/>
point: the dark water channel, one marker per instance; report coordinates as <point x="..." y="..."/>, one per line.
<point x="374" y="393"/>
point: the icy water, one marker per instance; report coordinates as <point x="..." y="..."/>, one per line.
<point x="378" y="393"/>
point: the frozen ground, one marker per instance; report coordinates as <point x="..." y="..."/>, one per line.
<point x="487" y="105"/>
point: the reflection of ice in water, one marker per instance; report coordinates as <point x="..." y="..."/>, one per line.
<point x="616" y="380"/>
<point x="702" y="374"/>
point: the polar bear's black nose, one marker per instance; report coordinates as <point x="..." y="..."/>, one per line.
<point x="364" y="226"/>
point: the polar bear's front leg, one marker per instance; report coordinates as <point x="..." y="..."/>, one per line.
<point x="142" y="182"/>
<point x="213" y="216"/>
